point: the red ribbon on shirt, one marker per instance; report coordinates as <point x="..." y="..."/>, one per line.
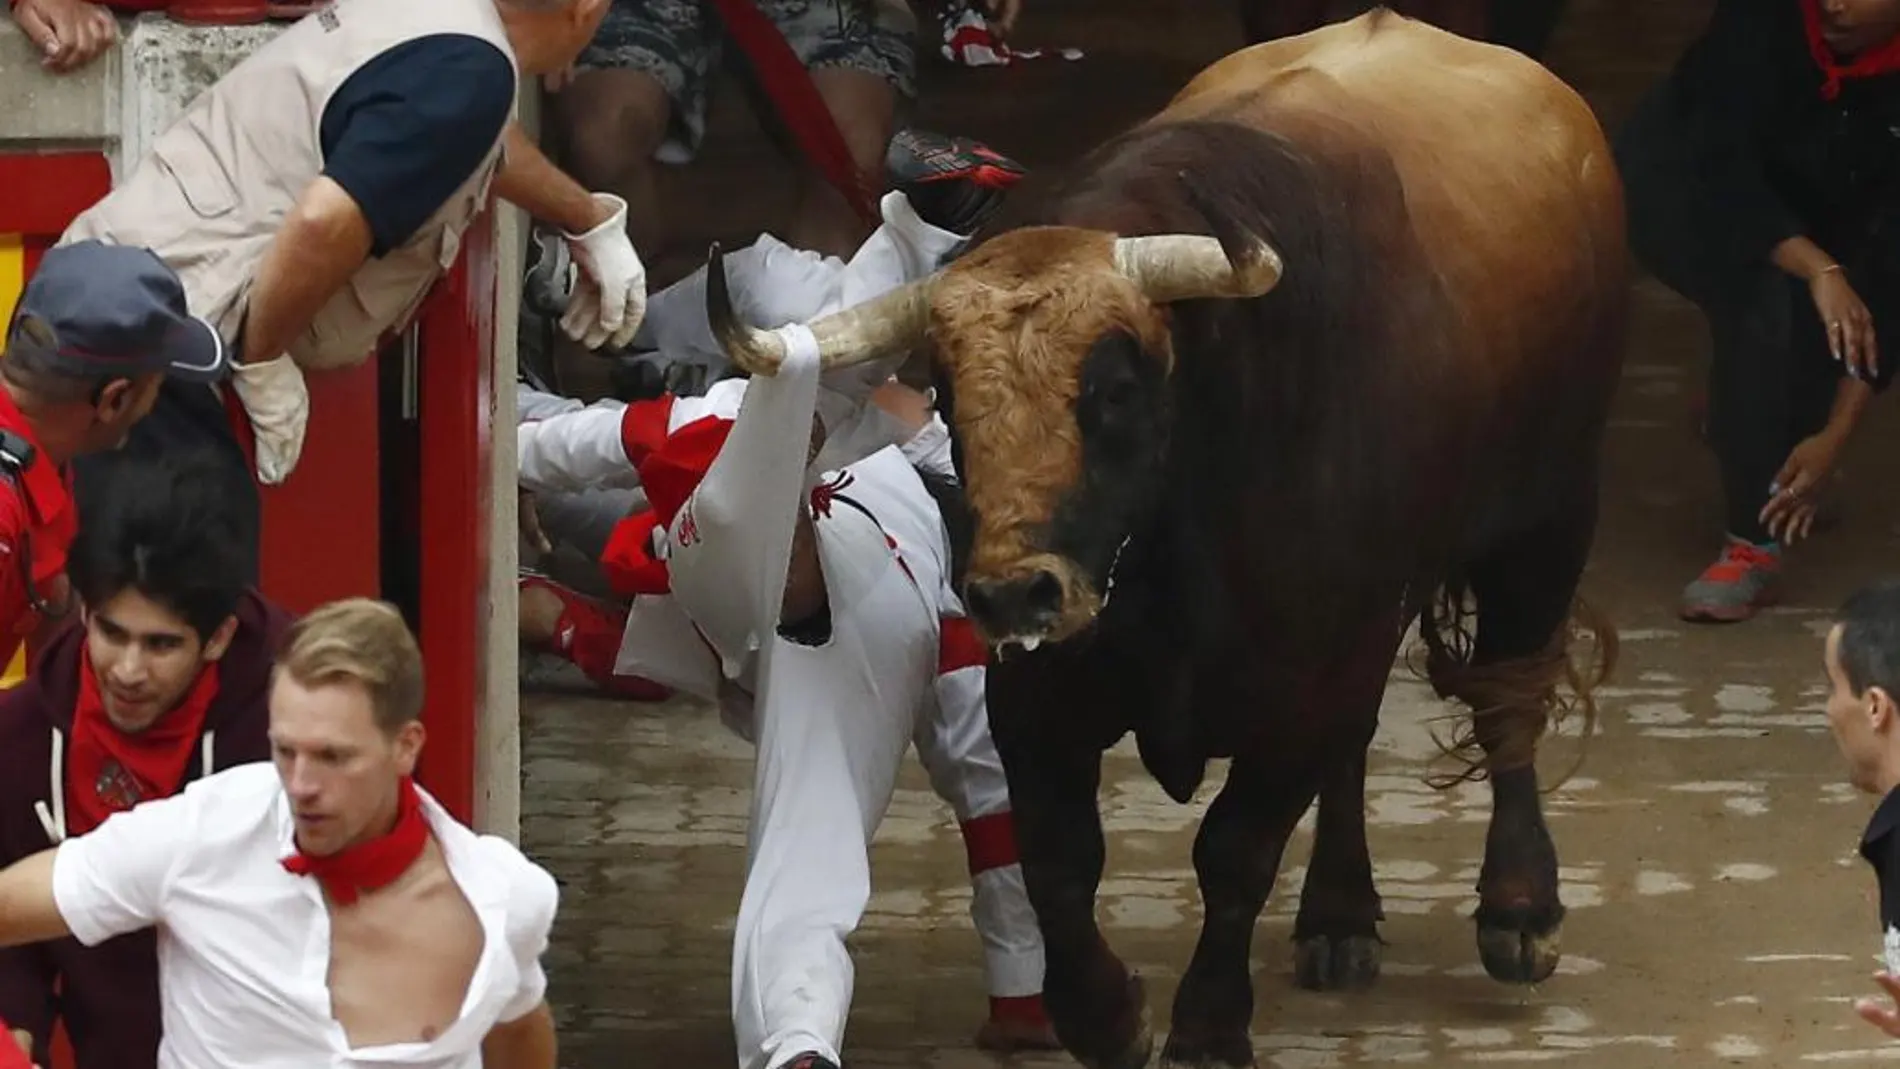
<point x="375" y="863"/>
<point x="109" y="771"/>
<point x="1883" y="59"/>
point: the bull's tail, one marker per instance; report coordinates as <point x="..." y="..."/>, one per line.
<point x="1511" y="702"/>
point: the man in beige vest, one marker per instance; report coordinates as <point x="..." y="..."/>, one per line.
<point x="311" y="197"/>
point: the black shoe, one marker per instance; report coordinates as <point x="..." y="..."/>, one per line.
<point x="954" y="183"/>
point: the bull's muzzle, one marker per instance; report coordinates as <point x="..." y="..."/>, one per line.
<point x="1020" y="610"/>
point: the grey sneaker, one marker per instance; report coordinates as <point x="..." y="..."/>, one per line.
<point x="1742" y="581"/>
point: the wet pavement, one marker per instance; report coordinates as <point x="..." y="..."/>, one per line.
<point x="1718" y="912"/>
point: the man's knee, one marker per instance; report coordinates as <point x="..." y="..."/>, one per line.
<point x="864" y="107"/>
<point x="612" y="121"/>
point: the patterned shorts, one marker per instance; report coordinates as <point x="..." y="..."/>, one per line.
<point x="680" y="42"/>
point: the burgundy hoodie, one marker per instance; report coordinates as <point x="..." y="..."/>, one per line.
<point x="108" y="994"/>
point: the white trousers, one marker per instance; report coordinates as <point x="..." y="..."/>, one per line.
<point x="832" y="721"/>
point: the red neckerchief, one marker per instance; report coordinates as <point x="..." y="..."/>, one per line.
<point x="1881" y="59"/>
<point x="375" y="863"/>
<point x="108" y="770"/>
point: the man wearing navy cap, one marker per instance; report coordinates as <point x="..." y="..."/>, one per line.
<point x="96" y="331"/>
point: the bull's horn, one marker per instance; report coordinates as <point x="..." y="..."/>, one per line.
<point x="1180" y="267"/>
<point x="889" y="325"/>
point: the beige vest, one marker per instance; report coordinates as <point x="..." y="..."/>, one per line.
<point x="211" y="193"/>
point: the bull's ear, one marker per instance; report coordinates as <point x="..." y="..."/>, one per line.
<point x="1241" y="245"/>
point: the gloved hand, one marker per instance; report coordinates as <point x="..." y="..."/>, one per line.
<point x="610" y="297"/>
<point x="278" y="403"/>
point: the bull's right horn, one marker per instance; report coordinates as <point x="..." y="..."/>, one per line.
<point x="1235" y="262"/>
<point x="888" y="325"/>
<point x="1183" y="267"/>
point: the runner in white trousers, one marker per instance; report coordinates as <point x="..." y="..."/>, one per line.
<point x="870" y="655"/>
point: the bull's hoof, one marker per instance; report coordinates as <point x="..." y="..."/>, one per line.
<point x="1133" y="1056"/>
<point x="1516" y="956"/>
<point x="1233" y="1051"/>
<point x="1136" y="1052"/>
<point x="1336" y="963"/>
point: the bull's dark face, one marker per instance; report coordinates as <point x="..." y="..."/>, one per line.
<point x="1056" y="379"/>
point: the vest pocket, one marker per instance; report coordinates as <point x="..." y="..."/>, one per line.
<point x="200" y="177"/>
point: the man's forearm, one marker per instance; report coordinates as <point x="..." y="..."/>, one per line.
<point x="28" y="913"/>
<point x="525" y="1043"/>
<point x="321" y="244"/>
<point x="530" y="181"/>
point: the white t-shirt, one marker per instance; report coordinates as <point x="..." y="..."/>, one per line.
<point x="244" y="946"/>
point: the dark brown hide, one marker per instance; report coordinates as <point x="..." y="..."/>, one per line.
<point x="1417" y="407"/>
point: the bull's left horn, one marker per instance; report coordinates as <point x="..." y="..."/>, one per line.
<point x="889" y="325"/>
<point x="1180" y="267"/>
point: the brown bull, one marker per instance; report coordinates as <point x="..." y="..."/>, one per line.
<point x="1324" y="348"/>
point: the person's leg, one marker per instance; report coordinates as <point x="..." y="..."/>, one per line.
<point x="832" y="721"/>
<point x="862" y="55"/>
<point x="641" y="79"/>
<point x="1757" y="409"/>
<point x="954" y="744"/>
<point x="582" y="631"/>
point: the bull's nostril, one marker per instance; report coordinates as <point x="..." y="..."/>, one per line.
<point x="981" y="601"/>
<point x="1044" y="593"/>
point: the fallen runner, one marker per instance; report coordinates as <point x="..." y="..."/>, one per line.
<point x="867" y="651"/>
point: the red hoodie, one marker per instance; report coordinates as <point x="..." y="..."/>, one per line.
<point x="109" y="993"/>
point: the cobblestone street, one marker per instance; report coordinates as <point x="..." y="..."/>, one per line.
<point x="1719" y="914"/>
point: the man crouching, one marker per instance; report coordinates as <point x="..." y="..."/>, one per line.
<point x="163" y="680"/>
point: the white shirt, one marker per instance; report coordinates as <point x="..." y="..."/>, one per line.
<point x="244" y="946"/>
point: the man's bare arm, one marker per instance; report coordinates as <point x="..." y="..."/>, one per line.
<point x="28" y="913"/>
<point x="324" y="239"/>
<point x="530" y="181"/>
<point x="524" y="1043"/>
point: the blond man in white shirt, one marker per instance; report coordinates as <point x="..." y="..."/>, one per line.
<point x="324" y="911"/>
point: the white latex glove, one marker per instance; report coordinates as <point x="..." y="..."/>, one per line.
<point x="278" y="403"/>
<point x="610" y="297"/>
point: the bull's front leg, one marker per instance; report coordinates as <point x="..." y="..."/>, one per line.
<point x="1097" y="1008"/>
<point x="1236" y="855"/>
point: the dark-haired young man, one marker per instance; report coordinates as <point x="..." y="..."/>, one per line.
<point x="1862" y="658"/>
<point x="163" y="679"/>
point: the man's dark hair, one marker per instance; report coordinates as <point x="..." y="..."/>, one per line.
<point x="1870" y="637"/>
<point x="162" y="524"/>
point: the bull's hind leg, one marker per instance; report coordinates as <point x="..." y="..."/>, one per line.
<point x="1525" y="591"/>
<point x="1336" y="943"/>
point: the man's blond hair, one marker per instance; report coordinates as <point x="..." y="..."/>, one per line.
<point x="361" y="641"/>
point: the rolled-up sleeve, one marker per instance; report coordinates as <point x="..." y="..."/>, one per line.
<point x="114" y="879"/>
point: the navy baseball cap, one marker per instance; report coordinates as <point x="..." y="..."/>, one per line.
<point x="115" y="310"/>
